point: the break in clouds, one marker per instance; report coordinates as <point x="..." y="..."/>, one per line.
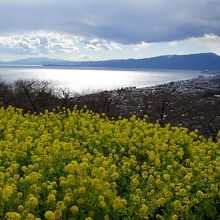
<point x="123" y="21"/>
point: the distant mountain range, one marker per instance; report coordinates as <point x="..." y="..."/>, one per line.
<point x="42" y="61"/>
<point x="203" y="61"/>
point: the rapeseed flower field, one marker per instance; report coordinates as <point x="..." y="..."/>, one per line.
<point x="81" y="165"/>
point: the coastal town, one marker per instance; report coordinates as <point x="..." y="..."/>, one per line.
<point x="193" y="103"/>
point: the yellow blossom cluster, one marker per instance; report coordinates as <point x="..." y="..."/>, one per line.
<point x="81" y="165"/>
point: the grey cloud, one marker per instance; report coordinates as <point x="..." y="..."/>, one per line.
<point x="124" y="21"/>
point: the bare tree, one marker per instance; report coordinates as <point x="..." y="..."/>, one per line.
<point x="33" y="94"/>
<point x="157" y="105"/>
<point x="6" y="94"/>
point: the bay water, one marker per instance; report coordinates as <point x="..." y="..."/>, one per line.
<point x="86" y="80"/>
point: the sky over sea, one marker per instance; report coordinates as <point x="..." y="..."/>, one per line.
<point x="104" y="29"/>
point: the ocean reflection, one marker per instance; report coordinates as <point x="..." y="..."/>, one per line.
<point x="95" y="79"/>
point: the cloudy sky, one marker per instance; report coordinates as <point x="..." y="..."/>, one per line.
<point x="107" y="29"/>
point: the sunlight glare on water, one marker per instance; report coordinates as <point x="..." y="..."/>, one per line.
<point x="95" y="79"/>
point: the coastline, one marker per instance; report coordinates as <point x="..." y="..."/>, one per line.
<point x="193" y="103"/>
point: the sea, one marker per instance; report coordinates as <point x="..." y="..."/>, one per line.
<point x="89" y="80"/>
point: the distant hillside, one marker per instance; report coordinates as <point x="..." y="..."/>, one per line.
<point x="203" y="61"/>
<point x="42" y="61"/>
<point x="194" y="61"/>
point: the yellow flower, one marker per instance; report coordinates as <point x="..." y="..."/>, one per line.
<point x="200" y="194"/>
<point x="113" y="167"/>
<point x="68" y="197"/>
<point x="166" y="177"/>
<point x="188" y="177"/>
<point x="96" y="183"/>
<point x="101" y="172"/>
<point x="182" y="192"/>
<point x="106" y="217"/>
<point x="161" y="202"/>
<point x="83" y="166"/>
<point x="143" y="210"/>
<point x="103" y="204"/>
<point x="180" y="153"/>
<point x="33" y="201"/>
<point x="30" y="217"/>
<point x="7" y="192"/>
<point x="135" y="182"/>
<point x="151" y="179"/>
<point x="51" y="198"/>
<point x="174" y="217"/>
<point x="13" y="216"/>
<point x="82" y="189"/>
<point x="61" y="205"/>
<point x="145" y="174"/>
<point x="58" y="214"/>
<point x="115" y="176"/>
<point x="49" y="215"/>
<point x="74" y="210"/>
<point x="20" y="208"/>
<point x="119" y="203"/>
<point x="49" y="187"/>
<point x="101" y="198"/>
<point x="177" y="205"/>
<point x="158" y="182"/>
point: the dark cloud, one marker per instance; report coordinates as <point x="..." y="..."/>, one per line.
<point x="125" y="21"/>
